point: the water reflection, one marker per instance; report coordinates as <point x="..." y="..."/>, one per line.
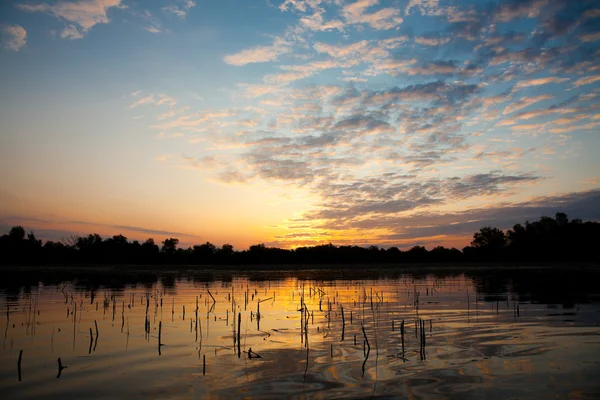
<point x="300" y="334"/>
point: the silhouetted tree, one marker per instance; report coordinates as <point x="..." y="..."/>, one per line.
<point x="489" y="238"/>
<point x="548" y="239"/>
<point x="17" y="233"/>
<point x="170" y="246"/>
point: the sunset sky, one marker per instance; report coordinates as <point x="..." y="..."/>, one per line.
<point x="297" y="122"/>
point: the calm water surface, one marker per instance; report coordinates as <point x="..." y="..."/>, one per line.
<point x="326" y="334"/>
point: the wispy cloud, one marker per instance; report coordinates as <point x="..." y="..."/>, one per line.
<point x="587" y="80"/>
<point x="538" y="82"/>
<point x="382" y="19"/>
<point x="259" y="54"/>
<point x="180" y="8"/>
<point x="82" y="15"/>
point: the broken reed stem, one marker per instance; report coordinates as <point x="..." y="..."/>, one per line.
<point x="91" y="341"/>
<point x="60" y="368"/>
<point x="211" y="296"/>
<point x="238" y="335"/>
<point x="402" y="335"/>
<point x="204" y="364"/>
<point x="19" y="364"/>
<point x="343" y="323"/>
<point x="365" y="335"/>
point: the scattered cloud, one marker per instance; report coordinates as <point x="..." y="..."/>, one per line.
<point x="259" y="54"/>
<point x="432" y="41"/>
<point x="386" y="123"/>
<point x="587" y="80"/>
<point x="180" y="8"/>
<point x="81" y="15"/>
<point x="538" y="82"/>
<point x="383" y="19"/>
<point x="525" y="101"/>
<point x="13" y="37"/>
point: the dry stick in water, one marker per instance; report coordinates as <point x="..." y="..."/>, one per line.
<point x="159" y="336"/>
<point x="343" y="323"/>
<point x="196" y="318"/>
<point x="96" y="341"/>
<point x="91" y="341"/>
<point x="366" y="342"/>
<point x="211" y="296"/>
<point x="60" y="368"/>
<point x="19" y="364"/>
<point x="238" y="335"/>
<point x="424" y="339"/>
<point x="420" y="341"/>
<point x="402" y="336"/>
<point x="204" y="364"/>
<point x="365" y="335"/>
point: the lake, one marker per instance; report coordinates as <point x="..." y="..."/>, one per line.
<point x="423" y="333"/>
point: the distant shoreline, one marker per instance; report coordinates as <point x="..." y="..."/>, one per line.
<point x="464" y="266"/>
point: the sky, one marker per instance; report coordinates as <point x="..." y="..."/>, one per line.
<point x="297" y="122"/>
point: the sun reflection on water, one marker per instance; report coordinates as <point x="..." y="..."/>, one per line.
<point x="293" y="337"/>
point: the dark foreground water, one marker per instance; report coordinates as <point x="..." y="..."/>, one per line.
<point x="481" y="334"/>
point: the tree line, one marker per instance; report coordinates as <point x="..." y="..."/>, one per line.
<point x="546" y="240"/>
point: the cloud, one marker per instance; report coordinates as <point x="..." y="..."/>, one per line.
<point x="382" y="197"/>
<point x="299" y="5"/>
<point x="510" y="10"/>
<point x="152" y="29"/>
<point x="525" y="102"/>
<point x="343" y="52"/>
<point x="158" y="100"/>
<point x="180" y="9"/>
<point x="383" y="19"/>
<point x="587" y="80"/>
<point x="592" y="13"/>
<point x="56" y="229"/>
<point x="375" y="150"/>
<point x="425" y="7"/>
<point x="432" y="41"/>
<point x="484" y="184"/>
<point x="439" y="91"/>
<point x="13" y="37"/>
<point x="82" y="15"/>
<point x="201" y="163"/>
<point x="316" y="22"/>
<point x="582" y="205"/>
<point x="590" y="37"/>
<point x="538" y="82"/>
<point x="259" y="54"/>
<point x="71" y="32"/>
<point x="573" y="128"/>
